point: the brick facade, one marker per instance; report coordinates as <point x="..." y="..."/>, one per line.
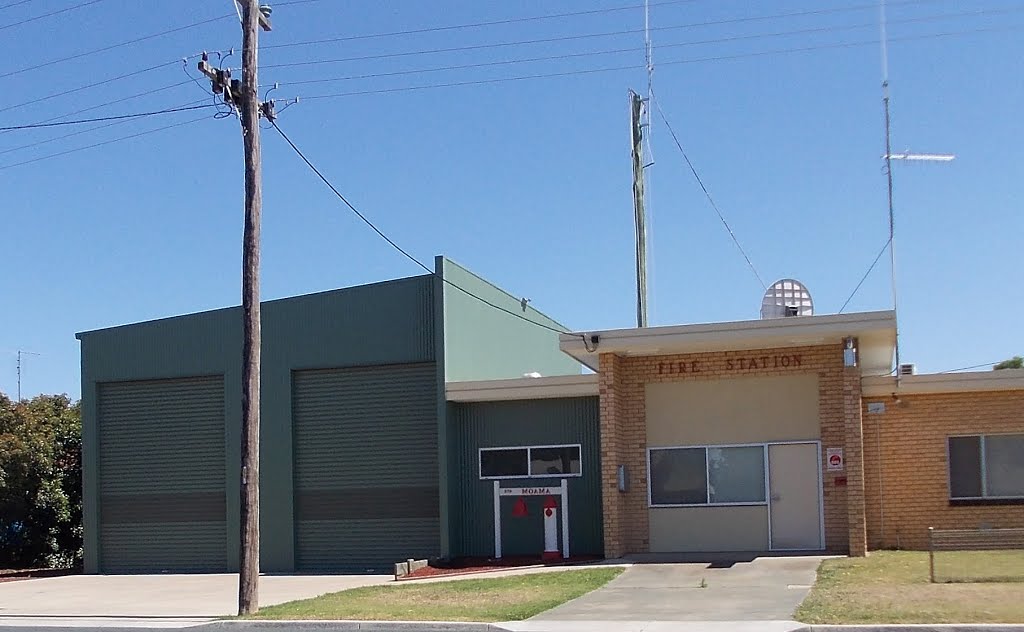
<point x="907" y="470"/>
<point x="622" y="383"/>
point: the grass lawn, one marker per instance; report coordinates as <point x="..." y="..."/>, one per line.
<point x="893" y="587"/>
<point x="487" y="600"/>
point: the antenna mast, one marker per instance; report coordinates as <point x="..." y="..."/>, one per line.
<point x="640" y="125"/>
<point x="21" y="353"/>
<point x="889" y="157"/>
<point x="888" y="170"/>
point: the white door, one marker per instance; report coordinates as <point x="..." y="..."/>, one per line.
<point x="795" y="500"/>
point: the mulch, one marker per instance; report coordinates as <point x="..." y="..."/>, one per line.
<point x="471" y="565"/>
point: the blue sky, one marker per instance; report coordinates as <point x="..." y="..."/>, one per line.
<point x="526" y="182"/>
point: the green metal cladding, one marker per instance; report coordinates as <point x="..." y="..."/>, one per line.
<point x="523" y="423"/>
<point x="347" y="372"/>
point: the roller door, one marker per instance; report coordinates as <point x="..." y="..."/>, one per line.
<point x="161" y="469"/>
<point x="366" y="469"/>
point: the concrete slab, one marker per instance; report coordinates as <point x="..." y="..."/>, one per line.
<point x="158" y="596"/>
<point x="762" y="589"/>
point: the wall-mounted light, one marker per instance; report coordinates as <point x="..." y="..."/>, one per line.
<point x="850" y="352"/>
<point x="623" y="479"/>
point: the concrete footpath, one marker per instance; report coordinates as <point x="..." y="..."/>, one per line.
<point x="765" y="589"/>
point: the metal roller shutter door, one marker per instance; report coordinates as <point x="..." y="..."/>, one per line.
<point x="161" y="471"/>
<point x="366" y="469"/>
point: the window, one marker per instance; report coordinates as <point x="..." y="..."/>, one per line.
<point x="707" y="476"/>
<point x="530" y="462"/>
<point x="986" y="466"/>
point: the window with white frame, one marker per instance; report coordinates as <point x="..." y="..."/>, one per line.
<point x="531" y="461"/>
<point x="986" y="467"/>
<point x="707" y="475"/>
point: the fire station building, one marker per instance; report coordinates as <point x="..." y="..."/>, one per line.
<point x="391" y="422"/>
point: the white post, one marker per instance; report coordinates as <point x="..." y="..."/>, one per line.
<point x="565" y="518"/>
<point x="497" y="521"/>
<point x="550" y="529"/>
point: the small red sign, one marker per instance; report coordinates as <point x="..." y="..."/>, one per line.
<point x="548" y="512"/>
<point x="520" y="510"/>
<point x="550" y="503"/>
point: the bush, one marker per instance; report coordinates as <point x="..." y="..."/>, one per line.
<point x="40" y="482"/>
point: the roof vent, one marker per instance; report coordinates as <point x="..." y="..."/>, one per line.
<point x="908" y="369"/>
<point x="786" y="298"/>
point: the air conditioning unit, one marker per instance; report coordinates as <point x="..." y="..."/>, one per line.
<point x="908" y="369"/>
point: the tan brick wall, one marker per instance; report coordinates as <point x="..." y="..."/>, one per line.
<point x="624" y="437"/>
<point x="906" y="468"/>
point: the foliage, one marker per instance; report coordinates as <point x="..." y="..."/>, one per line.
<point x="1016" y="362"/>
<point x="40" y="482"/>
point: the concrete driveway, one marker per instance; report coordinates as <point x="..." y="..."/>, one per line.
<point x="158" y="596"/>
<point x="762" y="589"/>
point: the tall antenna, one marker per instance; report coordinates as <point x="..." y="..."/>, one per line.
<point x="639" y="132"/>
<point x="648" y="51"/>
<point x="21" y="353"/>
<point x="889" y="157"/>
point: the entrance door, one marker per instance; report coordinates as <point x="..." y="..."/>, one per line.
<point x="795" y="501"/>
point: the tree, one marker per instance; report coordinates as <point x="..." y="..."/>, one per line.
<point x="1016" y="362"/>
<point x="40" y="482"/>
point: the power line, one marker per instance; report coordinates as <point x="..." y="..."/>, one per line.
<point x="104" y="49"/>
<point x="968" y="368"/>
<point x="109" y="118"/>
<point x="454" y="27"/>
<point x="77" y="133"/>
<point x="46" y="15"/>
<point x="115" y="101"/>
<point x="393" y="244"/>
<point x="106" y="142"/>
<point x="865" y="277"/>
<point x="696" y="60"/>
<point x="87" y="86"/>
<point x="703" y="188"/>
<point x="14" y="4"/>
<point x="756" y="36"/>
<point x="834" y="10"/>
<point x="505" y="62"/>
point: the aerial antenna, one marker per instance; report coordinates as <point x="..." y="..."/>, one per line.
<point x="640" y="149"/>
<point x="21" y="353"/>
<point x="889" y="157"/>
<point x="648" y="50"/>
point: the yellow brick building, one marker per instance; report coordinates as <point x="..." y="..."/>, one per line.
<point x="793" y="434"/>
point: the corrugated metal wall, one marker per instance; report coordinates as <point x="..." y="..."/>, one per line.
<point x="521" y="423"/>
<point x="161" y="475"/>
<point x="366" y="466"/>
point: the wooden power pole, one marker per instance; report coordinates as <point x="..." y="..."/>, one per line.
<point x="249" y="510"/>
<point x="243" y="96"/>
<point x="636" y="110"/>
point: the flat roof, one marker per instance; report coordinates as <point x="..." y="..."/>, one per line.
<point x="876" y="332"/>
<point x="551" y="387"/>
<point x="1002" y="380"/>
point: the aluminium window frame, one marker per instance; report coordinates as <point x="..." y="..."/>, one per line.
<point x="529" y="461"/>
<point x="984" y="469"/>
<point x="707" y="476"/>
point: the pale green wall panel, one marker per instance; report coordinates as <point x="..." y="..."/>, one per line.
<point x="484" y="343"/>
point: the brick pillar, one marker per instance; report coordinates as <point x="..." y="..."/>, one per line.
<point x="611" y="406"/>
<point x="854" y="456"/>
